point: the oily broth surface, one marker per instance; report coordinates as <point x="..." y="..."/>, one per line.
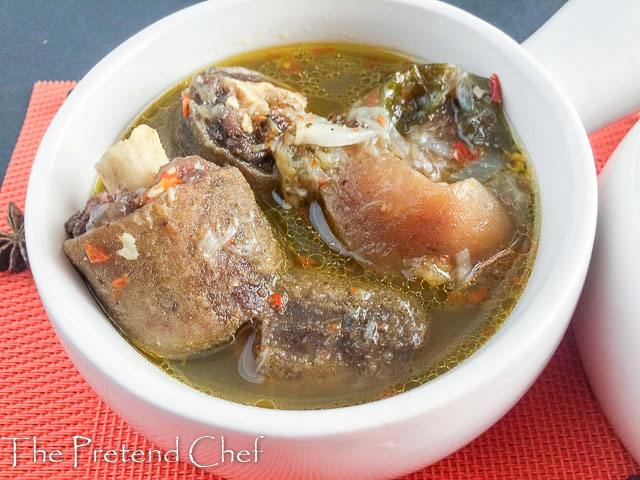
<point x="333" y="76"/>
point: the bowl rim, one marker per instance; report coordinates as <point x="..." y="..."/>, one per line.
<point x="314" y="423"/>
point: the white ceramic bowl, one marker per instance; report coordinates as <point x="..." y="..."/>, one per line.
<point x="608" y="324"/>
<point x="380" y="439"/>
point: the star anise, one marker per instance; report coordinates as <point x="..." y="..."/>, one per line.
<point x="13" y="251"/>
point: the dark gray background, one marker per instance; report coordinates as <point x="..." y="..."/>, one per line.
<point x="63" y="39"/>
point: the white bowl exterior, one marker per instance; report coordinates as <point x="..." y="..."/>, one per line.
<point x="379" y="439"/>
<point x="608" y="325"/>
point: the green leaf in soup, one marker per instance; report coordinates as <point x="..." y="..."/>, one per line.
<point x="412" y="96"/>
<point x="480" y="120"/>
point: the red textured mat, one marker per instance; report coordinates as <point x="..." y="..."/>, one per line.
<point x="557" y="430"/>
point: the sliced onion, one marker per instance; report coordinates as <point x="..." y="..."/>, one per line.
<point x="329" y="134"/>
<point x="247" y="365"/>
<point x="464" y="266"/>
<point x="278" y="199"/>
<point x="316" y="217"/>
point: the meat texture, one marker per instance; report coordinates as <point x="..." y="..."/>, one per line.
<point x="182" y="265"/>
<point x="230" y="116"/>
<point x="182" y="272"/>
<point x="389" y="214"/>
<point x="382" y="192"/>
<point x="102" y="209"/>
<point x="330" y="326"/>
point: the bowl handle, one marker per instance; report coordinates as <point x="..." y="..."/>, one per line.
<point x="592" y="49"/>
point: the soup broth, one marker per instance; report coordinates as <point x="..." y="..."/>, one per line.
<point x="333" y="77"/>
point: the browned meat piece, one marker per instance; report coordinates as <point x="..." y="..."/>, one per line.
<point x="388" y="213"/>
<point x="101" y="209"/>
<point x="232" y="114"/>
<point x="181" y="273"/>
<point x="327" y="326"/>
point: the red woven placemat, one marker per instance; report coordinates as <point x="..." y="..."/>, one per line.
<point x="557" y="430"/>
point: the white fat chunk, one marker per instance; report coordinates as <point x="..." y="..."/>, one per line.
<point x="128" y="250"/>
<point x="132" y="163"/>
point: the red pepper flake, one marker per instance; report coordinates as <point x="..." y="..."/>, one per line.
<point x="306" y="262"/>
<point x="314" y="162"/>
<point x="354" y="290"/>
<point x="95" y="255"/>
<point x="276" y="300"/>
<point x="381" y="120"/>
<point x="496" y="88"/>
<point x="290" y="65"/>
<point x="373" y="99"/>
<point x="185" y="104"/>
<point x="119" y="283"/>
<point x="444" y="258"/>
<point x="356" y="130"/>
<point x="461" y="153"/>
<point x="169" y="178"/>
<point x="477" y="295"/>
<point x="335" y="327"/>
<point x="322" y="183"/>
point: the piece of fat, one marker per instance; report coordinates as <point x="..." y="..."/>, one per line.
<point x="132" y="163"/>
<point x="128" y="250"/>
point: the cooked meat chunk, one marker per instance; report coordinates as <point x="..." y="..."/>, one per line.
<point x="327" y="326"/>
<point x="230" y="116"/>
<point x="388" y="213"/>
<point x="182" y="265"/>
<point x="182" y="272"/>
<point x="101" y="209"/>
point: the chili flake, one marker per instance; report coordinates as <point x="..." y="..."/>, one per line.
<point x="119" y="283"/>
<point x="372" y="100"/>
<point x="185" y="104"/>
<point x="496" y="88"/>
<point x="461" y="153"/>
<point x="95" y="255"/>
<point x="306" y="262"/>
<point x="169" y="178"/>
<point x="290" y="65"/>
<point x="276" y="300"/>
<point x="477" y="295"/>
